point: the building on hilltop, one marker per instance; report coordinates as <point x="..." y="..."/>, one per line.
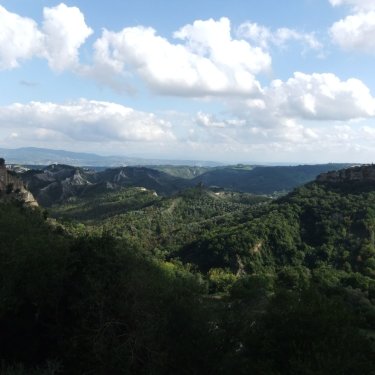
<point x="8" y="181"/>
<point x="3" y="175"/>
<point x="11" y="186"/>
<point x="363" y="173"/>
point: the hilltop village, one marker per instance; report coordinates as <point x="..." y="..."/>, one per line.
<point x="11" y="187"/>
<point x="362" y="173"/>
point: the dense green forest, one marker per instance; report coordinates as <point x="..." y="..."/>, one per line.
<point x="199" y="282"/>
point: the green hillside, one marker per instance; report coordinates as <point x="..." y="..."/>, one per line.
<point x="183" y="171"/>
<point x="203" y="281"/>
<point x="159" y="224"/>
<point x="263" y="180"/>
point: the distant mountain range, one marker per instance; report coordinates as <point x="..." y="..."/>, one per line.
<point x="43" y="156"/>
<point x="58" y="183"/>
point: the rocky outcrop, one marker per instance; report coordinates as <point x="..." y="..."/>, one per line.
<point x="12" y="188"/>
<point x="57" y="183"/>
<point x="363" y="173"/>
<point x="8" y="181"/>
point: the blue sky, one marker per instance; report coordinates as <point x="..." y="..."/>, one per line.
<point x="232" y="81"/>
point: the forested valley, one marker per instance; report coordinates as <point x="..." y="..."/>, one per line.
<point x="114" y="276"/>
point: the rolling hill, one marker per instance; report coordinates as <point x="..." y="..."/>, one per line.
<point x="261" y="179"/>
<point x="59" y="183"/>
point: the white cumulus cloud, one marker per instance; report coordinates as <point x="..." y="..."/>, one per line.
<point x="64" y="30"/>
<point x="321" y="97"/>
<point x="355" y="32"/>
<point x="58" y="40"/>
<point x="206" y="61"/>
<point x="304" y="99"/>
<point x="20" y="39"/>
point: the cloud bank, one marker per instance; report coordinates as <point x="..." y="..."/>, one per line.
<point x="85" y="120"/>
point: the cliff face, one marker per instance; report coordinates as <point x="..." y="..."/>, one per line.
<point x="364" y="173"/>
<point x="11" y="187"/>
<point x="57" y="183"/>
<point x="9" y="181"/>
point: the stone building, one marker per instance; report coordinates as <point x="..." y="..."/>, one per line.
<point x="363" y="173"/>
<point x="3" y="175"/>
<point x="7" y="180"/>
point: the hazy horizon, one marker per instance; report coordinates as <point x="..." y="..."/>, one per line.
<point x="145" y="158"/>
